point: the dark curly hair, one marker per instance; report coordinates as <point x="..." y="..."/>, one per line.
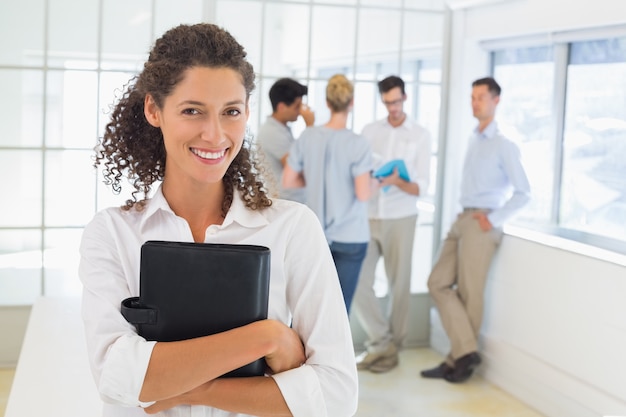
<point x="132" y="147"/>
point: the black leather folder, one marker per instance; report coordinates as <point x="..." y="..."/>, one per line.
<point x="189" y="290"/>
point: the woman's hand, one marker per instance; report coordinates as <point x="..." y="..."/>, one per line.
<point x="287" y="351"/>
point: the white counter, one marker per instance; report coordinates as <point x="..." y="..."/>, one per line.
<point x="52" y="377"/>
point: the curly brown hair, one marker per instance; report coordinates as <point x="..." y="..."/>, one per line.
<point x="132" y="147"/>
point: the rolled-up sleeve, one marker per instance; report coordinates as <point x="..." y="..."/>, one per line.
<point x="327" y="384"/>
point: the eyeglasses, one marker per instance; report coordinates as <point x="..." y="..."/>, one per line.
<point x="393" y="102"/>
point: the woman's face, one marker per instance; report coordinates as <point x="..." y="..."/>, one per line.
<point x="203" y="123"/>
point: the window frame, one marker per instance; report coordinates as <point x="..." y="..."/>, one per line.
<point x="582" y="242"/>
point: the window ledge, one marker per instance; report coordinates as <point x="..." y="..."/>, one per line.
<point x="577" y="242"/>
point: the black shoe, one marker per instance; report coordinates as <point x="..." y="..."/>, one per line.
<point x="463" y="368"/>
<point x="438" y="371"/>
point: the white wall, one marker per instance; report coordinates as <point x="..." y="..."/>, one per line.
<point x="554" y="332"/>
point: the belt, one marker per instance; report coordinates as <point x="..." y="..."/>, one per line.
<point x="468" y="209"/>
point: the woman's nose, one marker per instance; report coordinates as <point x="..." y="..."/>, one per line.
<point x="212" y="130"/>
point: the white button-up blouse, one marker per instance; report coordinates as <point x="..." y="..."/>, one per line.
<point x="304" y="292"/>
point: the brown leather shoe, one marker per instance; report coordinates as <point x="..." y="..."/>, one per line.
<point x="385" y="364"/>
<point x="463" y="368"/>
<point x="367" y="359"/>
<point x="439" y="371"/>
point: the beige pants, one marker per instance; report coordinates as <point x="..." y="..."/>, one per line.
<point x="393" y="240"/>
<point x="457" y="281"/>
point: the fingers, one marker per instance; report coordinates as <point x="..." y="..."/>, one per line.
<point x="483" y="221"/>
<point x="289" y="353"/>
<point x="307" y="114"/>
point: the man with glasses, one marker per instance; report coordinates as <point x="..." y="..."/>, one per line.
<point x="392" y="218"/>
<point x="275" y="138"/>
<point x="494" y="187"/>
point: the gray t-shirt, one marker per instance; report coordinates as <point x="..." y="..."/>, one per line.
<point x="274" y="141"/>
<point x="330" y="160"/>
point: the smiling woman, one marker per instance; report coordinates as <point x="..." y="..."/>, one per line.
<point x="183" y="122"/>
<point x="203" y="123"/>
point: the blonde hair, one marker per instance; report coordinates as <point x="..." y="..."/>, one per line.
<point x="339" y="93"/>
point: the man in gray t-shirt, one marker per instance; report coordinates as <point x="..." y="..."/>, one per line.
<point x="275" y="138"/>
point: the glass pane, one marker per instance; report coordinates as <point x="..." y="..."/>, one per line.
<point x="67" y="172"/>
<point x="430" y="70"/>
<point x="333" y="34"/>
<point x="73" y="34"/>
<point x="345" y="2"/>
<point x="317" y="101"/>
<point x="112" y="86"/>
<point x="264" y="107"/>
<point x="20" y="266"/>
<point x="71" y="109"/>
<point x="285" y="39"/>
<point x="425" y="4"/>
<point x="386" y="68"/>
<point x="428" y="105"/>
<point x="242" y="20"/>
<point x="21" y="106"/>
<point x="378" y="45"/>
<point x="22" y="30"/>
<point x="410" y="71"/>
<point x="384" y="3"/>
<point x="525" y="116"/>
<point x="126" y="34"/>
<point x="61" y="258"/>
<point x="168" y="14"/>
<point x="366" y="70"/>
<point x="255" y="118"/>
<point x="594" y="168"/>
<point x="422" y="251"/>
<point x="423" y="35"/>
<point x="20" y="188"/>
<point x="365" y="98"/>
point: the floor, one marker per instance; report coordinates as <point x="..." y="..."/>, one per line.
<point x="6" y="378"/>
<point x="402" y="393"/>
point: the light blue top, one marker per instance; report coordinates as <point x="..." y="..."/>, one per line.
<point x="274" y="140"/>
<point x="493" y="176"/>
<point x="330" y="160"/>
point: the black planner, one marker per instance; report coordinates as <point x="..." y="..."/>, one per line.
<point x="189" y="290"/>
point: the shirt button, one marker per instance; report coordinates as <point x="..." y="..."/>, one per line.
<point x="212" y="230"/>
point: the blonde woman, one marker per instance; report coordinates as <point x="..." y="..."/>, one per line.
<point x="335" y="163"/>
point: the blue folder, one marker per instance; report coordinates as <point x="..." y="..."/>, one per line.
<point x="387" y="169"/>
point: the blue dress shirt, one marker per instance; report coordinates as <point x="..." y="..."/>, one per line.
<point x="493" y="176"/>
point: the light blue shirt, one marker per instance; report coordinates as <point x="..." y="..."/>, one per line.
<point x="493" y="176"/>
<point x="330" y="160"/>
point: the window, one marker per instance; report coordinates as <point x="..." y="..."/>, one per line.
<point x="69" y="60"/>
<point x="525" y="116"/>
<point x="593" y="191"/>
<point x="564" y="104"/>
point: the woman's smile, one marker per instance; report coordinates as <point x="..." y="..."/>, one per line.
<point x="209" y="156"/>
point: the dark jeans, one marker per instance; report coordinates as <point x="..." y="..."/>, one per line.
<point x="348" y="259"/>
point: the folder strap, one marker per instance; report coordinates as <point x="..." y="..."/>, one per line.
<point x="136" y="313"/>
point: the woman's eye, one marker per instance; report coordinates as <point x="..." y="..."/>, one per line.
<point x="233" y="112"/>
<point x="190" y="111"/>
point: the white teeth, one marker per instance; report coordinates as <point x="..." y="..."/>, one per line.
<point x="208" y="155"/>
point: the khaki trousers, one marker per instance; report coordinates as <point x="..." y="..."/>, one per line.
<point x="457" y="281"/>
<point x="393" y="240"/>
